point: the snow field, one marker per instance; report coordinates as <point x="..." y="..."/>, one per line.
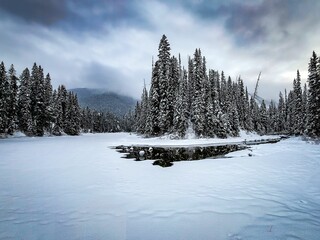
<point x="79" y="188"/>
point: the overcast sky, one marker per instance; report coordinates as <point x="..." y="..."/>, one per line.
<point x="110" y="43"/>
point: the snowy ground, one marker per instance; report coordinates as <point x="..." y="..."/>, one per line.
<point x="79" y="188"/>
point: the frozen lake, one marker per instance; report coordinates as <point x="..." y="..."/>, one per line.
<point x="80" y="188"/>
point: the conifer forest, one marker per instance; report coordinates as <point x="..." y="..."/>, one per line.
<point x="211" y="104"/>
<point x="29" y="104"/>
<point x="180" y="100"/>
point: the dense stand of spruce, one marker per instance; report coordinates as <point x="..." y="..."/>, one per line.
<point x="212" y="105"/>
<point x="30" y="105"/>
<point x="203" y="101"/>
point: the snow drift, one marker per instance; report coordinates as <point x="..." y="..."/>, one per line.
<point x="79" y="188"/>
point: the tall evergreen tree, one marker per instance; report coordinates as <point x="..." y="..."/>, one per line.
<point x="72" y="121"/>
<point x="48" y="104"/>
<point x="304" y="107"/>
<point x="173" y="88"/>
<point x="181" y="111"/>
<point x="263" y="118"/>
<point x="248" y="124"/>
<point x="164" y="75"/>
<point x="234" y="120"/>
<point x="241" y="103"/>
<point x="4" y="99"/>
<point x="281" y="115"/>
<point x="313" y="121"/>
<point x="198" y="105"/>
<point x="144" y="109"/>
<point x="153" y="123"/>
<point x="56" y="113"/>
<point x="60" y="110"/>
<point x="223" y="92"/>
<point x="13" y="100"/>
<point x="210" y="118"/>
<point x="24" y="103"/>
<point x="190" y="81"/>
<point x="254" y="112"/>
<point x="298" y="114"/>
<point x="286" y="109"/>
<point x="228" y="106"/>
<point x="219" y="127"/>
<point x="290" y="112"/>
<point x="37" y="100"/>
<point x="272" y="118"/>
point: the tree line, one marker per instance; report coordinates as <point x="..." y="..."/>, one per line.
<point x="213" y="105"/>
<point x="29" y="104"/>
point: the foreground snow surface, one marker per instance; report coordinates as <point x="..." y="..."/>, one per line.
<point x="79" y="188"/>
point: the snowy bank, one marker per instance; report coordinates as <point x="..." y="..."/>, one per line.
<point x="79" y="188"/>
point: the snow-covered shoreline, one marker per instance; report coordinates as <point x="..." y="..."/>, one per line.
<point x="167" y="141"/>
<point x="79" y="188"/>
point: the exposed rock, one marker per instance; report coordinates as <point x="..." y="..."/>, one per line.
<point x="164" y="156"/>
<point x="163" y="163"/>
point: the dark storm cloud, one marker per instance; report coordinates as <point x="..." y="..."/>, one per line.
<point x="252" y="22"/>
<point x="109" y="43"/>
<point x="77" y="15"/>
<point x="247" y="21"/>
<point x="44" y="12"/>
<point x="94" y="14"/>
<point x="241" y="18"/>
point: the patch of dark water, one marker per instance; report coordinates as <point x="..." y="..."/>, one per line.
<point x="165" y="156"/>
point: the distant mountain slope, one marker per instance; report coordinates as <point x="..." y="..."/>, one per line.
<point x="102" y="100"/>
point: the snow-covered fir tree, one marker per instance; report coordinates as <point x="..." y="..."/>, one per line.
<point x="72" y="118"/>
<point x="272" y="117"/>
<point x="60" y="109"/>
<point x="24" y="103"/>
<point x="143" y="111"/>
<point x="247" y="122"/>
<point x="86" y="122"/>
<point x="173" y="85"/>
<point x="297" y="110"/>
<point x="48" y="104"/>
<point x="290" y="112"/>
<point x="210" y="118"/>
<point x="13" y="100"/>
<point x="281" y="115"/>
<point x="198" y="104"/>
<point x="263" y="118"/>
<point x="37" y="100"/>
<point x="304" y="107"/>
<point x="153" y="122"/>
<point x="164" y="79"/>
<point x="313" y="115"/>
<point x="254" y="112"/>
<point x="241" y="103"/>
<point x="4" y="99"/>
<point x="181" y="108"/>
